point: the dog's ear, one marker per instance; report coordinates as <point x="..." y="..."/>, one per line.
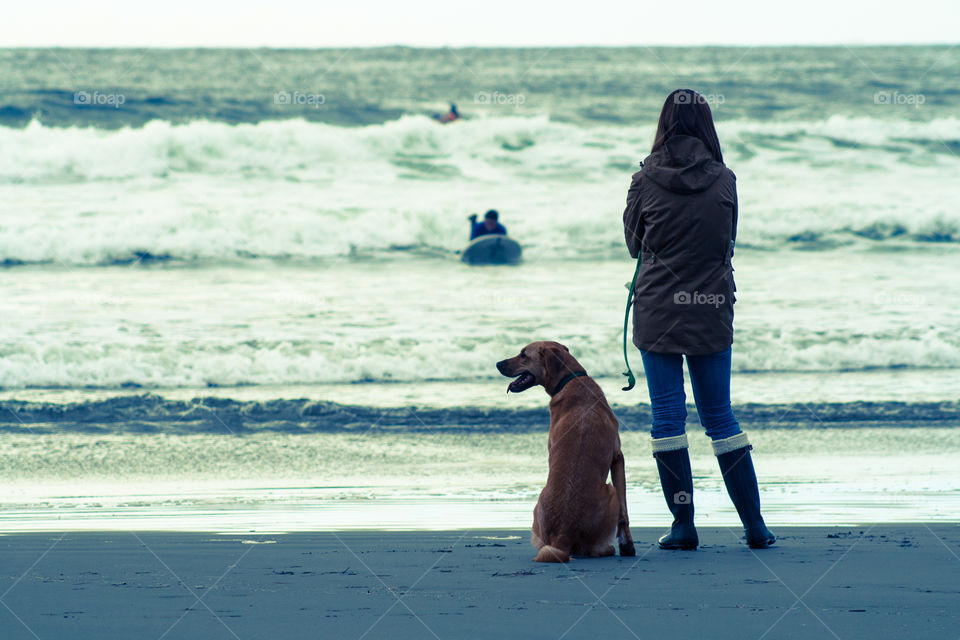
<point x="554" y="360"/>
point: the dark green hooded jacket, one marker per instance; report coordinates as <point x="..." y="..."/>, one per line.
<point x="681" y="216"/>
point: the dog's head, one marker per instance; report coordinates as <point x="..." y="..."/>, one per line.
<point x="543" y="363"/>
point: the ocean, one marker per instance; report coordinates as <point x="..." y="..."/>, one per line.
<point x="232" y="296"/>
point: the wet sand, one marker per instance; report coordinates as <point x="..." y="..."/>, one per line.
<point x="871" y="581"/>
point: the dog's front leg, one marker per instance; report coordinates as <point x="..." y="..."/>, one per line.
<point x="618" y="475"/>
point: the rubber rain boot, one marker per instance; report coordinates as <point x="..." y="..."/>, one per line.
<point x="676" y="479"/>
<point x="736" y="464"/>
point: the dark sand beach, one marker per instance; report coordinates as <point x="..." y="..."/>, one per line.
<point x="871" y="581"/>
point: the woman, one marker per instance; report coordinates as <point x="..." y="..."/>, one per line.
<point x="681" y="217"/>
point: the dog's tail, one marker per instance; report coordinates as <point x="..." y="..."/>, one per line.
<point x="549" y="553"/>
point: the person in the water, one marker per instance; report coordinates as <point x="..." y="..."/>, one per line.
<point x="449" y="116"/>
<point x="490" y="225"/>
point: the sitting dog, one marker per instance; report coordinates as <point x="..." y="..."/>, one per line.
<point x="578" y="513"/>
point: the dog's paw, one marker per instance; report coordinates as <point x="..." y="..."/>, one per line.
<point x="627" y="549"/>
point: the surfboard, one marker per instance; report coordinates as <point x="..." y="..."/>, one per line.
<point x="492" y="249"/>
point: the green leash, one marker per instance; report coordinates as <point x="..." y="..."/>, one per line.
<point x="631" y="379"/>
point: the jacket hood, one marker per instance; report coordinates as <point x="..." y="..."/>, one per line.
<point x="682" y="165"/>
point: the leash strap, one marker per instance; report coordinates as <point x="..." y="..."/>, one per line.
<point x="631" y="379"/>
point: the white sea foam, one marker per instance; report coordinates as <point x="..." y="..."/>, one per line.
<point x="535" y="145"/>
<point x="63" y="361"/>
<point x="393" y="198"/>
<point x="293" y="189"/>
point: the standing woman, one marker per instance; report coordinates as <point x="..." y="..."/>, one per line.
<point x="681" y="217"/>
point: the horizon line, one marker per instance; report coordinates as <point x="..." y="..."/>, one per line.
<point x="808" y="45"/>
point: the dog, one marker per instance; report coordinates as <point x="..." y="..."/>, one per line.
<point x="578" y="513"/>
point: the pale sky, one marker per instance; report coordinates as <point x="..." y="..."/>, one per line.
<point x="288" y="23"/>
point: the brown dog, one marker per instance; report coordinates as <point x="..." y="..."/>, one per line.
<point x="578" y="512"/>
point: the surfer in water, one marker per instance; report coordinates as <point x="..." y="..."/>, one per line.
<point x="449" y="116"/>
<point x="489" y="226"/>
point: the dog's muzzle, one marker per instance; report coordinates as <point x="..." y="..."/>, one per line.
<point x="522" y="381"/>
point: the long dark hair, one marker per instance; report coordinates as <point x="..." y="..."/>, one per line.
<point x="686" y="112"/>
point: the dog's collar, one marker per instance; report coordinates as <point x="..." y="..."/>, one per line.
<point x="567" y="378"/>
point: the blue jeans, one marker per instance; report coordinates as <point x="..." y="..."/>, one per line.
<point x="710" y="377"/>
